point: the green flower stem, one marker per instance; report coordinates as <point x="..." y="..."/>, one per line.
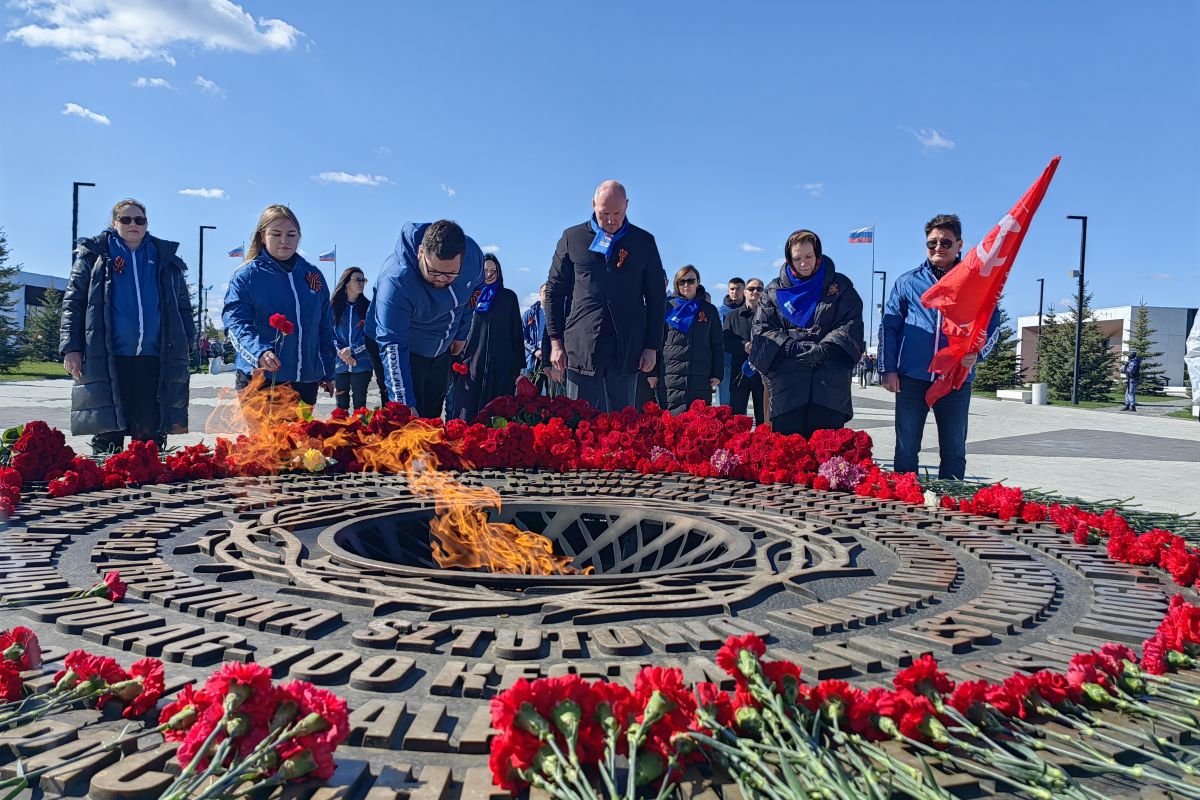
<point x="57" y="701"/>
<point x="1092" y="731"/>
<point x="976" y="768"/>
<point x="910" y="777"/>
<point x="172" y="791"/>
<point x="570" y="771"/>
<point x="745" y="763"/>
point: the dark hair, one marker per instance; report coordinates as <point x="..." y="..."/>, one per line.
<point x="947" y="222"/>
<point x="499" y="270"/>
<point x="800" y="237"/>
<point x="444" y="240"/>
<point x="340" y="295"/>
<point x="732" y="281"/>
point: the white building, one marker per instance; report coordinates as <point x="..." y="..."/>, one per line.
<point x="31" y="287"/>
<point x="1171" y="326"/>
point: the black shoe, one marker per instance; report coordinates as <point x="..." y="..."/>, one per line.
<point x="1125" y="407"/>
<point x="1133" y="408"/>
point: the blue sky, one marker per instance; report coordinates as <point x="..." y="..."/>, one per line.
<point x="730" y="125"/>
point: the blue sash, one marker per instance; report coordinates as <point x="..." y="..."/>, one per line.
<point x="483" y="303"/>
<point x="748" y="369"/>
<point x="604" y="240"/>
<point x="683" y="315"/>
<point x="798" y="301"/>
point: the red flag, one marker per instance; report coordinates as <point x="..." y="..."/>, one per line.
<point x="968" y="294"/>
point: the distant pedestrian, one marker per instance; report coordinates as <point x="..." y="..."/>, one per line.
<point x="610" y="273"/>
<point x="693" y="348"/>
<point x="808" y="335"/>
<point x="533" y="326"/>
<point x="495" y="350"/>
<point x="744" y="380"/>
<point x="909" y="335"/>
<point x="127" y="334"/>
<point x="422" y="311"/>
<point x="863" y="368"/>
<point x="1132" y="370"/>
<point x="350" y="311"/>
<point x="276" y="280"/>
<point x="735" y="298"/>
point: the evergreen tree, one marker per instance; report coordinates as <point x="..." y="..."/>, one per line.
<point x="10" y="333"/>
<point x="999" y="369"/>
<point x="1056" y="363"/>
<point x="1141" y="341"/>
<point x="1050" y="352"/>
<point x="42" y="325"/>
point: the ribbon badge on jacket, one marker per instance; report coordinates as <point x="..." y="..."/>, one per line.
<point x="683" y="315"/>
<point x="604" y="240"/>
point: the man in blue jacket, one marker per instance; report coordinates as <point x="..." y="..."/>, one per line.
<point x="909" y="335"/>
<point x="533" y="325"/>
<point x="422" y="311"/>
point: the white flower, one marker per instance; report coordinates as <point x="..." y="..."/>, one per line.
<point x="931" y="498"/>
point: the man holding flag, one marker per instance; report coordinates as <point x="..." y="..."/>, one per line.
<point x="939" y="320"/>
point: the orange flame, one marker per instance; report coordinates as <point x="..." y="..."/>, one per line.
<point x="461" y="535"/>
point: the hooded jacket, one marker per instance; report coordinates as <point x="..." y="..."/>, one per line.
<point x="263" y="287"/>
<point x="350" y="331"/>
<point x="494" y="353"/>
<point x="689" y="360"/>
<point x="87" y="328"/>
<point x="836" y="329"/>
<point x="410" y="315"/>
<point x="533" y="326"/>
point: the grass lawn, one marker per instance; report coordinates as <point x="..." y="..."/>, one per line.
<point x="35" y="371"/>
<point x="1114" y="399"/>
<point x="1183" y="413"/>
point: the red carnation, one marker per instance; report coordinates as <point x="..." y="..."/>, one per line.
<point x="241" y="685"/>
<point x="460" y="367"/>
<point x="282" y="324"/>
<point x="182" y="712"/>
<point x="11" y="686"/>
<point x="116" y="587"/>
<point x="728" y="655"/>
<point x="21" y="646"/>
<point x="148" y="675"/>
<point x="923" y="678"/>
<point x="1053" y="687"/>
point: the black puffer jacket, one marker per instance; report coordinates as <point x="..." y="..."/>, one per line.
<point x="87" y="329"/>
<point x="689" y="360"/>
<point x="836" y="328"/>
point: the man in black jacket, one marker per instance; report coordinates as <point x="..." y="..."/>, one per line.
<point x="611" y="276"/>
<point x="738" y="328"/>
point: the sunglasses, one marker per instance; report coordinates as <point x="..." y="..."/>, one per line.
<point x="945" y="244"/>
<point x="687" y="281"/>
<point x="131" y="220"/>
<point x="358" y="280"/>
<point x="755" y="289"/>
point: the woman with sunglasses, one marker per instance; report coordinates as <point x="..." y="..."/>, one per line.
<point x="127" y="334"/>
<point x="275" y="279"/>
<point x="808" y="335"/>
<point x="353" y="370"/>
<point x="693" y="354"/>
<point x="495" y="349"/>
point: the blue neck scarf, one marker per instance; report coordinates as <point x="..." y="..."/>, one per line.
<point x="604" y="240"/>
<point x="483" y="303"/>
<point x="798" y="301"/>
<point x="683" y="314"/>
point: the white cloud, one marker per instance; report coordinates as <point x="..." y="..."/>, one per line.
<point x="930" y="139"/>
<point x="1162" y="276"/>
<point x="813" y="189"/>
<point x="76" y="110"/>
<point x="721" y="286"/>
<point x="383" y="150"/>
<point x="490" y="248"/>
<point x="137" y="30"/>
<point x="778" y="263"/>
<point x="530" y="299"/>
<point x="357" y="178"/>
<point x="1066" y="302"/>
<point x="208" y="86"/>
<point x="524" y="269"/>
<point x="449" y="190"/>
<point x="152" y="83"/>
<point x="211" y="194"/>
<point x="750" y="248"/>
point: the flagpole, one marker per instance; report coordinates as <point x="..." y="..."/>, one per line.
<point x="873" y="338"/>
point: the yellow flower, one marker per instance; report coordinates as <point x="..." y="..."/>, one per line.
<point x="314" y="460"/>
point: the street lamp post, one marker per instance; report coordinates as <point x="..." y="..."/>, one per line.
<point x="200" y="284"/>
<point x="75" y="214"/>
<point x="1079" y="305"/>
<point x="1041" y="297"/>
<point x="882" y="303"/>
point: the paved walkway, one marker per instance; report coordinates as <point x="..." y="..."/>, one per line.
<point x="1087" y="453"/>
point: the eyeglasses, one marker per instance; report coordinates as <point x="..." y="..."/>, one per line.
<point x="755" y="289"/>
<point x="436" y="273"/>
<point x="131" y="220"/>
<point x="945" y="244"/>
<point x="358" y="280"/>
<point x="687" y="281"/>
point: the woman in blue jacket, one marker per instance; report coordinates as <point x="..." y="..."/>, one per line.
<point x="275" y="279"/>
<point x="353" y="369"/>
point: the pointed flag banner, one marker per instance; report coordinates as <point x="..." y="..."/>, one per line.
<point x="330" y="256"/>
<point x="238" y="252"/>
<point x="863" y="235"/>
<point x="967" y="296"/>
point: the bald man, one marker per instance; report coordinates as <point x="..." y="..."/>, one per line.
<point x="610" y="275"/>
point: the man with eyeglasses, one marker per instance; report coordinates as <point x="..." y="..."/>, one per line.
<point x="609" y="273"/>
<point x="744" y="380"/>
<point x="421" y="313"/>
<point x="909" y="335"/>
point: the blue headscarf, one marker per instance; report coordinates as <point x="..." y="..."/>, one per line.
<point x="487" y="292"/>
<point x="798" y="301"/>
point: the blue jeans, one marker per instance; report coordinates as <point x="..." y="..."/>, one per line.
<point x="723" y="386"/>
<point x="609" y="392"/>
<point x="950" y="413"/>
<point x="1131" y="385"/>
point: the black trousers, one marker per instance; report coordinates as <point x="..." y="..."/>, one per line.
<point x="137" y="383"/>
<point x="740" y="394"/>
<point x="808" y="418"/>
<point x="352" y="383"/>
<point x="431" y="379"/>
<point x="377" y="366"/>
<point x="307" y="390"/>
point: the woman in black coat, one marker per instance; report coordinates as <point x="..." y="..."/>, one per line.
<point x="495" y="349"/>
<point x="808" y="335"/>
<point x="693" y="353"/>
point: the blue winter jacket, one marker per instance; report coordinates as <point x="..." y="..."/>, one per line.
<point x="410" y="315"/>
<point x="533" y="325"/>
<point x="910" y="333"/>
<point x="351" y="331"/>
<point x="135" y="314"/>
<point x="263" y="287"/>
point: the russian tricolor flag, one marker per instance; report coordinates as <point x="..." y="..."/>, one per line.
<point x="863" y="235"/>
<point x="330" y="256"/>
<point x="238" y="252"/>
